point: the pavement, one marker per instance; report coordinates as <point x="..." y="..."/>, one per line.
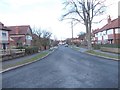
<point x="9" y="64"/>
<point x="20" y="59"/>
<point x="85" y="49"/>
<point x="64" y="68"/>
<point x="112" y="54"/>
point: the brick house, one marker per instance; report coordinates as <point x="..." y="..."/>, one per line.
<point x="110" y="33"/>
<point x="4" y="37"/>
<point x="20" y="35"/>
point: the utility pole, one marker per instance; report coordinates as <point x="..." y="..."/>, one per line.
<point x="72" y="30"/>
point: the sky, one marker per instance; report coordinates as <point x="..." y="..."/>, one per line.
<point x="46" y="14"/>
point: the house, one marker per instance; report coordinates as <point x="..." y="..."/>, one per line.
<point x="82" y="38"/>
<point x="20" y="35"/>
<point x="4" y="37"/>
<point x="110" y="33"/>
<point x="73" y="41"/>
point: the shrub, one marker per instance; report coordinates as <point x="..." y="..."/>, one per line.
<point x="21" y="47"/>
<point x="97" y="46"/>
<point x="31" y="50"/>
<point x="111" y="45"/>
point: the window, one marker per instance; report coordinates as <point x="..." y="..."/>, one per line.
<point x="110" y="31"/>
<point x="106" y="32"/>
<point x="28" y="37"/>
<point x="96" y="35"/>
<point x="4" y="34"/>
<point x="117" y="30"/>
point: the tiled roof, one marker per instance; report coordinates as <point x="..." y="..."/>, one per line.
<point x="19" y="29"/>
<point x="2" y="27"/>
<point x="113" y="24"/>
<point x="18" y="39"/>
<point x="34" y="36"/>
<point x="96" y="30"/>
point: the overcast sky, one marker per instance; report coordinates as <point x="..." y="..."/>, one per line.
<point x="46" y="14"/>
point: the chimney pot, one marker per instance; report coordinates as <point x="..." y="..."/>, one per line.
<point x="109" y="19"/>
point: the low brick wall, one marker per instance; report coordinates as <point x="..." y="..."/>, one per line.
<point x="112" y="50"/>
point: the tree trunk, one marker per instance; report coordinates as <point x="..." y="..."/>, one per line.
<point x="89" y="36"/>
<point x="89" y="40"/>
<point x="88" y="32"/>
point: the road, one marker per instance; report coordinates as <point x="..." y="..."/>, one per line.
<point x="64" y="68"/>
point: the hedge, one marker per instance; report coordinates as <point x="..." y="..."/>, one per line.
<point x="98" y="46"/>
<point x="31" y="50"/>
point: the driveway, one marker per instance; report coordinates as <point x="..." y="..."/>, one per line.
<point x="64" y="68"/>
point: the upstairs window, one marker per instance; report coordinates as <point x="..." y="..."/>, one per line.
<point x="110" y="31"/>
<point x="4" y="34"/>
<point x="28" y="37"/>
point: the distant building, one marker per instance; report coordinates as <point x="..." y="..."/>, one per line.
<point x="110" y="33"/>
<point x="75" y="40"/>
<point x="20" y="35"/>
<point x="82" y="38"/>
<point x="4" y="37"/>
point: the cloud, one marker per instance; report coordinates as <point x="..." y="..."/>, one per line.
<point x="41" y="13"/>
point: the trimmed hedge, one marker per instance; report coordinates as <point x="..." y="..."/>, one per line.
<point x="111" y="45"/>
<point x="31" y="50"/>
<point x="98" y="46"/>
<point x="21" y="47"/>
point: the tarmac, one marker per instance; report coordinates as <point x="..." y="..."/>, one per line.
<point x="13" y="61"/>
<point x="20" y="59"/>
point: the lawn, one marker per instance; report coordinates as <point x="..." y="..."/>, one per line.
<point x="75" y="48"/>
<point x="37" y="57"/>
<point x="102" y="54"/>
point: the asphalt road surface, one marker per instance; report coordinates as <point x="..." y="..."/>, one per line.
<point x="64" y="68"/>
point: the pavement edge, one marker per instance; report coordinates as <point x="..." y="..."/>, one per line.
<point x="26" y="63"/>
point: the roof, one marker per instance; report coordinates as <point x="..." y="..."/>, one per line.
<point x="34" y="36"/>
<point x="19" y="29"/>
<point x="2" y="27"/>
<point x="1" y="23"/>
<point x="113" y="24"/>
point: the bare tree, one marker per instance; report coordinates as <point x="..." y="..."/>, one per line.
<point x="46" y="38"/>
<point x="46" y="34"/>
<point x="37" y="31"/>
<point x="41" y="38"/>
<point x="37" y="37"/>
<point x="84" y="11"/>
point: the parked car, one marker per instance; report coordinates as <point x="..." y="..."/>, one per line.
<point x="66" y="45"/>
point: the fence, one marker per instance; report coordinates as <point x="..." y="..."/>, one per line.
<point x="11" y="53"/>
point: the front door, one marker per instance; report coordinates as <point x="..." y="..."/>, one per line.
<point x="4" y="46"/>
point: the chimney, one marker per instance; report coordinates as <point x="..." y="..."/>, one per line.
<point x="17" y="30"/>
<point x="1" y="25"/>
<point x="109" y="19"/>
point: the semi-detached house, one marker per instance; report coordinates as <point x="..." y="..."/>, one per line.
<point x="4" y="37"/>
<point x="20" y="35"/>
<point x="110" y="33"/>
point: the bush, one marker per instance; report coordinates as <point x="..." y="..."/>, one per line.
<point x="98" y="46"/>
<point x="21" y="47"/>
<point x="31" y="50"/>
<point x="111" y="45"/>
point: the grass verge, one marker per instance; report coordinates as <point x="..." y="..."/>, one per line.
<point x="102" y="54"/>
<point x="39" y="56"/>
<point x="75" y="48"/>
